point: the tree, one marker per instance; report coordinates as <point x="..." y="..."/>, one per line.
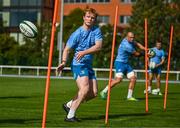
<point x="102" y="59"/>
<point x="36" y="51"/>
<point x="161" y="15"/>
<point x="8" y="50"/>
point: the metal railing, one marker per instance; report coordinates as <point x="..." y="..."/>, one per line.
<point x="40" y="72"/>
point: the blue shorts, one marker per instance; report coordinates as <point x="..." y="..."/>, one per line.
<point x="83" y="70"/>
<point x="124" y="68"/>
<point x="155" y="71"/>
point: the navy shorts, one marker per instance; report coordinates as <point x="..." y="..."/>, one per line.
<point x="155" y="71"/>
<point x="124" y="68"/>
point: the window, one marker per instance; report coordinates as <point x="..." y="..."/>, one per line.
<point x="103" y="19"/>
<point x="124" y="19"/>
<point x="1" y="3"/>
<point x="25" y="2"/>
<point x="128" y="1"/>
<point x="17" y="16"/>
<point x="6" y="2"/>
<point x="86" y="1"/>
<point x="5" y="18"/>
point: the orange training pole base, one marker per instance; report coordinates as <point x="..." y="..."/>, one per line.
<point x="49" y="64"/>
<point x="111" y="65"/>
<point x="146" y="64"/>
<point x="168" y="67"/>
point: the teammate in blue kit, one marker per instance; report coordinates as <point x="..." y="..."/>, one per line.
<point x="126" y="49"/>
<point x="85" y="41"/>
<point x="159" y="59"/>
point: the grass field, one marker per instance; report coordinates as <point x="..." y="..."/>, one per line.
<point x="22" y="100"/>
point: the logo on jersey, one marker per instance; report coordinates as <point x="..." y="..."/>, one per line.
<point x="82" y="72"/>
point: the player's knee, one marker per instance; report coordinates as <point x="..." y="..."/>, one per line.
<point x="117" y="80"/>
<point x="133" y="79"/>
<point x="158" y="79"/>
<point x="150" y="78"/>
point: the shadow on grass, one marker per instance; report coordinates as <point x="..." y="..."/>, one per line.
<point x="15" y="97"/>
<point x="155" y="98"/>
<point x="112" y="116"/>
<point x="173" y="92"/>
<point x="17" y="121"/>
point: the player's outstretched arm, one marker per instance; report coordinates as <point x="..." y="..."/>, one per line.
<point x="140" y="46"/>
<point x="64" y="59"/>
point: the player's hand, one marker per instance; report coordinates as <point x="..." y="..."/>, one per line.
<point x="157" y="65"/>
<point x="79" y="55"/>
<point x="60" y="68"/>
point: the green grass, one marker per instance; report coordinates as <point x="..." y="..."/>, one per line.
<point x="22" y="100"/>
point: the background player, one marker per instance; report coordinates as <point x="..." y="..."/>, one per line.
<point x="159" y="59"/>
<point x="126" y="48"/>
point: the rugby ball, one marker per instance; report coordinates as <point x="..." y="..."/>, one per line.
<point x="151" y="53"/>
<point x="152" y="65"/>
<point x="28" y="29"/>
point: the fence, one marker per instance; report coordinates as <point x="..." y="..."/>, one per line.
<point x="101" y="73"/>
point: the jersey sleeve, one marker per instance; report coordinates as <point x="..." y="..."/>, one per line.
<point x="163" y="55"/>
<point x="73" y="40"/>
<point x="98" y="35"/>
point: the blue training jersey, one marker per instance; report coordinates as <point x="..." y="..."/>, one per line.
<point x="125" y="50"/>
<point x="81" y="40"/>
<point x="159" y="55"/>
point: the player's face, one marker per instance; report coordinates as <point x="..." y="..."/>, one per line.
<point x="130" y="37"/>
<point x="89" y="19"/>
<point x="158" y="45"/>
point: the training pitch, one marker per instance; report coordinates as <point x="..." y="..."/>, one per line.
<point x="22" y="101"/>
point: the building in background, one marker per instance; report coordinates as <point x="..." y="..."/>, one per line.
<point x="105" y="9"/>
<point x="12" y="12"/>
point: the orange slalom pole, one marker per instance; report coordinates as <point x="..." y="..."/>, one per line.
<point x="49" y="63"/>
<point x="111" y="65"/>
<point x="168" y="67"/>
<point x="146" y="61"/>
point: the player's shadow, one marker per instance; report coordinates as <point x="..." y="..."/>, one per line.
<point x="144" y="98"/>
<point x="17" y="121"/>
<point x="112" y="116"/>
<point x="15" y="97"/>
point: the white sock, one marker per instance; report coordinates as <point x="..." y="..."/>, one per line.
<point x="71" y="113"/>
<point x="105" y="89"/>
<point x="69" y="103"/>
<point x="130" y="92"/>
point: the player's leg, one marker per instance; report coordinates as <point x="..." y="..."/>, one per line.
<point x="151" y="75"/>
<point x="81" y="76"/>
<point x="150" y="78"/>
<point x="132" y="77"/>
<point x="93" y="86"/>
<point x="158" y="80"/>
<point x="83" y="86"/>
<point x="158" y="84"/>
<point x="114" y="82"/>
<point x="118" y="78"/>
<point x="157" y="74"/>
<point x="93" y="89"/>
